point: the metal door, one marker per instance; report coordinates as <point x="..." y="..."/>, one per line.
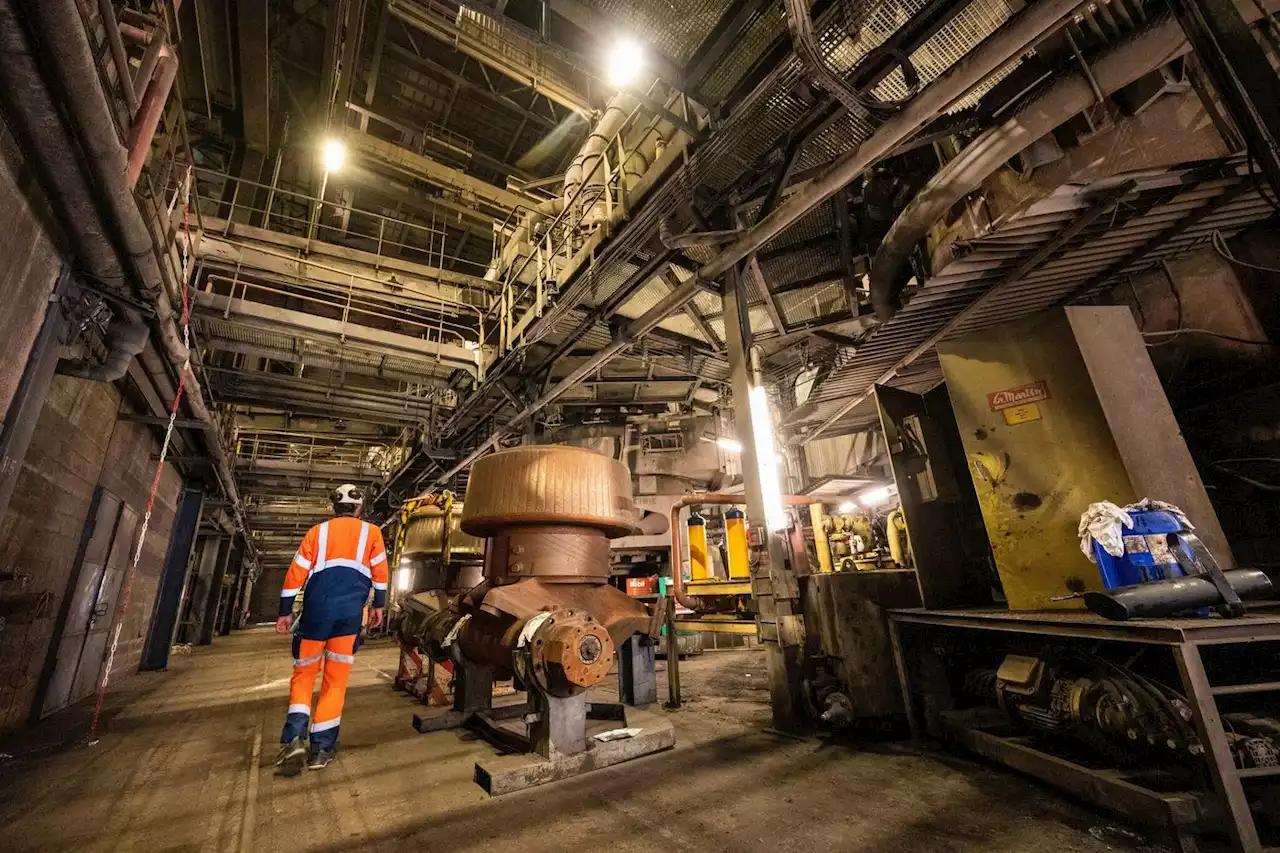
<point x="96" y="588"/>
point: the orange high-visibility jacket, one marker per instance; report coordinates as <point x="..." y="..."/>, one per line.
<point x="339" y="561"/>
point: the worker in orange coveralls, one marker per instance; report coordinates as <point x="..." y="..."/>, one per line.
<point x="339" y="562"/>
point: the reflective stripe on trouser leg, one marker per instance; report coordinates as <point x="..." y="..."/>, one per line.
<point x="339" y="655"/>
<point x="307" y="655"/>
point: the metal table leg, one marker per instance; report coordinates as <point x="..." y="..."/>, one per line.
<point x="1222" y="767"/>
<point x="904" y="682"/>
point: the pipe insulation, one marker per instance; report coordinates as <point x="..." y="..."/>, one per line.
<point x="102" y="216"/>
<point x="993" y="53"/>
<point x="1158" y="44"/>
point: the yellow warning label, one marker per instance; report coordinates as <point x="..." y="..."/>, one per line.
<point x="1023" y="414"/>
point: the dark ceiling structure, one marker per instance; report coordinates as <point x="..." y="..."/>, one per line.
<point x="514" y="243"/>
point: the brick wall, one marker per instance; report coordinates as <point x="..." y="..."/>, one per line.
<point x="79" y="444"/>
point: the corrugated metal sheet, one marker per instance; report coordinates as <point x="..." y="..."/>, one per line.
<point x="1160" y="204"/>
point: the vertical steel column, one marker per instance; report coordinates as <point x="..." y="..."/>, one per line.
<point x="1241" y="74"/>
<point x="24" y="410"/>
<point x="773" y="583"/>
<point x="164" y="616"/>
<point x="230" y="607"/>
<point x="208" y="618"/>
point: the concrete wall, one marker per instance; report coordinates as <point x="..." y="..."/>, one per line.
<point x="29" y="266"/>
<point x="79" y="444"/>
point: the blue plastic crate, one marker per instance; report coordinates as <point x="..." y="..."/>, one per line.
<point x="1147" y="556"/>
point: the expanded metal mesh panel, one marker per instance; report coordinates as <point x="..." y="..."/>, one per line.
<point x="797" y="266"/>
<point x="812" y="303"/>
<point x="675" y="29"/>
<point x="843" y="53"/>
<point x="752" y="43"/>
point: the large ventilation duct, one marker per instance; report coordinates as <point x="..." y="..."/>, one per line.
<point x="1160" y="43"/>
<point x="1006" y="44"/>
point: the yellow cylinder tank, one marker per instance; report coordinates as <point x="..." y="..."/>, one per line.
<point x="735" y="535"/>
<point x="699" y="565"/>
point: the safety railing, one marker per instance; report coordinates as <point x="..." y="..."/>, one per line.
<point x="590" y="207"/>
<point x="354" y="306"/>
<point x="290" y="211"/>
<point x="499" y="42"/>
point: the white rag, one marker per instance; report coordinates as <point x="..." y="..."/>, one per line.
<point x="1104" y="523"/>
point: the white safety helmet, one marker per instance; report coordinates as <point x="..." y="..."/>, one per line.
<point x="347" y="499"/>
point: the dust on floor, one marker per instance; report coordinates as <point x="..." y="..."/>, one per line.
<point x="183" y="765"/>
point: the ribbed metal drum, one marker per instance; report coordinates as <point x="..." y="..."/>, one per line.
<point x="549" y="484"/>
<point x="424" y="533"/>
<point x="461" y="543"/>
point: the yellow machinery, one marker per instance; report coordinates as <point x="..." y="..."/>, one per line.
<point x="1046" y="411"/>
<point x="699" y="562"/>
<point x="735" y="535"/>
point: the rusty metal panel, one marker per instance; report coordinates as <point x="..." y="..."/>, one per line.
<point x="844" y="614"/>
<point x="944" y="525"/>
<point x="1039" y="451"/>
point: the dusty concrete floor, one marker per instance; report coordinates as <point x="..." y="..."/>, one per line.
<point x="177" y="768"/>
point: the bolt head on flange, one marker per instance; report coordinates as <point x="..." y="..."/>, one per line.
<point x="570" y="654"/>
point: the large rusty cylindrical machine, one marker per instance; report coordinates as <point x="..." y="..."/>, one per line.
<point x="546" y="610"/>
<point x="546" y="615"/>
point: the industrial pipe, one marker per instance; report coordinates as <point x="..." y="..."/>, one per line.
<point x="118" y="57"/>
<point x="1008" y="42"/>
<point x="712" y="499"/>
<point x="1164" y="598"/>
<point x="637" y="329"/>
<point x="587" y="168"/>
<point x="75" y="77"/>
<point x="1158" y="44"/>
<point x="695" y="239"/>
<point x="150" y="110"/>
<point x="126" y="337"/>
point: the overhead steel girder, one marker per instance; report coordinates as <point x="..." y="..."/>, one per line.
<point x="319" y="404"/>
<point x="308" y="359"/>
<point x="500" y="47"/>
<point x="251" y="467"/>
<point x="273" y="319"/>
<point x="417" y="166"/>
<point x="290" y="255"/>
<point x="255" y="69"/>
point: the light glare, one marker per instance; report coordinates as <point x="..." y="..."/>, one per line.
<point x="334" y="155"/>
<point x="871" y="497"/>
<point x="625" y="62"/>
<point x="847" y="506"/>
<point x="730" y="444"/>
<point x="775" y="516"/>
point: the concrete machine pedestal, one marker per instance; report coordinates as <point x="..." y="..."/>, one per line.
<point x="546" y="615"/>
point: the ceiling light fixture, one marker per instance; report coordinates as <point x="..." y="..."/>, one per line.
<point x="333" y="155"/>
<point x="626" y="60"/>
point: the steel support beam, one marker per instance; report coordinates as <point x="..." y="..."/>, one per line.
<point x="24" y="409"/>
<point x="1241" y="73"/>
<point x="773" y="584"/>
<point x="173" y="578"/>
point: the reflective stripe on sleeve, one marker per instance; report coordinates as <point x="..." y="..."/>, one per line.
<point x="290" y="593"/>
<point x="381" y="558"/>
<point x="377" y="585"/>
